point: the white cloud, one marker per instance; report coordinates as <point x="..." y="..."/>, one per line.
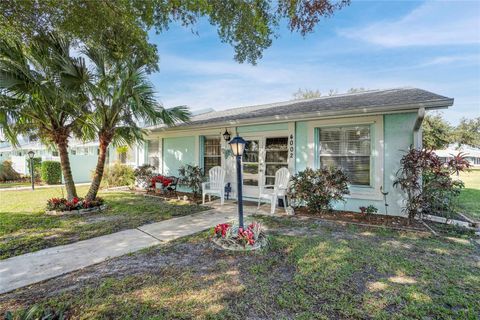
<point x="433" y="23"/>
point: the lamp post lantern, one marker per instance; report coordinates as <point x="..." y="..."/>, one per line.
<point x="31" y="154"/>
<point x="238" y="146"/>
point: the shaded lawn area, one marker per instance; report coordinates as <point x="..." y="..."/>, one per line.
<point x="25" y="228"/>
<point x="469" y="200"/>
<point x="311" y="270"/>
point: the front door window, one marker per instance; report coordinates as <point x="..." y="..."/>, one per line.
<point x="276" y="157"/>
<point x="251" y="163"/>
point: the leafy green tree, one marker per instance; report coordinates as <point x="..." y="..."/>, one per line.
<point x="122" y="26"/>
<point x="468" y="132"/>
<point x="437" y="133"/>
<point x="121" y="98"/>
<point x="42" y="93"/>
<point x="306" y="94"/>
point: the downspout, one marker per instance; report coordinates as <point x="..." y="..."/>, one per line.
<point x="417" y="129"/>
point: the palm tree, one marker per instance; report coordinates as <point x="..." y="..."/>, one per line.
<point x="42" y="94"/>
<point x="121" y="98"/>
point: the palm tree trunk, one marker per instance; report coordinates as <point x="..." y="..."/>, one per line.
<point x="97" y="177"/>
<point x="66" y="169"/>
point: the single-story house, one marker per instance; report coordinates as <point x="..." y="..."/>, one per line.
<point x="471" y="154"/>
<point x="365" y="133"/>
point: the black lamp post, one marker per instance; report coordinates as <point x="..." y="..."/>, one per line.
<point x="31" y="154"/>
<point x="238" y="146"/>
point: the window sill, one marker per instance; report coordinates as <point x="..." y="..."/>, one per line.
<point x="369" y="193"/>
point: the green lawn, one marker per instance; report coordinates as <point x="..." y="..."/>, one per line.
<point x="25" y="228"/>
<point x="469" y="200"/>
<point x="310" y="270"/>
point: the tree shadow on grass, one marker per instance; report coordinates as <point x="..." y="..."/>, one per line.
<point x="301" y="276"/>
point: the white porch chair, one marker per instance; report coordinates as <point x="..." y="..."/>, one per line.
<point x="276" y="191"/>
<point x="215" y="185"/>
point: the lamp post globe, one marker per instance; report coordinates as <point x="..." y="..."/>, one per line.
<point x="31" y="154"/>
<point x="237" y="145"/>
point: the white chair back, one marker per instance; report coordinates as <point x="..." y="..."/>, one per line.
<point x="216" y="177"/>
<point x="282" y="176"/>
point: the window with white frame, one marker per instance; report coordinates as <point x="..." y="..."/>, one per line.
<point x="348" y="148"/>
<point x="212" y="155"/>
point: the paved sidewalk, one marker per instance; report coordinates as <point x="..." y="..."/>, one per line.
<point x="41" y="187"/>
<point x="37" y="266"/>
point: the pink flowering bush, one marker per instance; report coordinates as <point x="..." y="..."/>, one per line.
<point x="234" y="236"/>
<point x="62" y="204"/>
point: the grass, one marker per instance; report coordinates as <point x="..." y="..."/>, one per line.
<point x="469" y="198"/>
<point x="25" y="227"/>
<point x="328" y="272"/>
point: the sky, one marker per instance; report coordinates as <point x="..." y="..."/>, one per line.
<point x="433" y="45"/>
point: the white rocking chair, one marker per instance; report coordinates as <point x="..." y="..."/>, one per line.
<point x="274" y="192"/>
<point x="215" y="185"/>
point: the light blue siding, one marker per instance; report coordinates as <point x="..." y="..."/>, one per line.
<point x="177" y="152"/>
<point x="301" y="146"/>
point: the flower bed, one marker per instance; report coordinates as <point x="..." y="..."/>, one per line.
<point x="367" y="217"/>
<point x="61" y="206"/>
<point x="232" y="237"/>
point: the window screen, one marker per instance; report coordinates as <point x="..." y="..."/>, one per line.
<point x="211" y="153"/>
<point x="347" y="148"/>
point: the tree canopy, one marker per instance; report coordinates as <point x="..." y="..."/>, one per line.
<point x="438" y="133"/>
<point x="122" y="26"/>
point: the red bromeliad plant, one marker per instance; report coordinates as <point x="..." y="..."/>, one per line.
<point x="232" y="235"/>
<point x="160" y="179"/>
<point x="62" y="204"/>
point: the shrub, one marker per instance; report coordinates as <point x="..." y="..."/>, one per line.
<point x="118" y="175"/>
<point x="7" y="173"/>
<point x="51" y="172"/>
<point x="371" y="209"/>
<point x="317" y="189"/>
<point x="427" y="182"/>
<point x="191" y="177"/>
<point x="143" y="175"/>
<point x="62" y="204"/>
<point x="37" y="167"/>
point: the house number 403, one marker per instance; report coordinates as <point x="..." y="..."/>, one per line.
<point x="291" y="148"/>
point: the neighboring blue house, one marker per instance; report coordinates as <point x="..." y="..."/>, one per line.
<point x="365" y="133"/>
<point x="83" y="156"/>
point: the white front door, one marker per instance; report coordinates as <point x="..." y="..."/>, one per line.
<point x="252" y="166"/>
<point x="263" y="156"/>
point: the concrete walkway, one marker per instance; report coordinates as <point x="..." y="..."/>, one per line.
<point x="41" y="265"/>
<point x="41" y="187"/>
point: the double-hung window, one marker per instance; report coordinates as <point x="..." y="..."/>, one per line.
<point x="211" y="153"/>
<point x="348" y="148"/>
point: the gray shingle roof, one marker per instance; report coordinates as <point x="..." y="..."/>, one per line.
<point x="390" y="100"/>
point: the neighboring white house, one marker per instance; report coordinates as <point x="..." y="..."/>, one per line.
<point x="472" y="154"/>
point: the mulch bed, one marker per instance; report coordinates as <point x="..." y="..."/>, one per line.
<point x="359" y="218"/>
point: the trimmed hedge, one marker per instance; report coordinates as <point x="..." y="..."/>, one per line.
<point x="51" y="172"/>
<point x="37" y="167"/>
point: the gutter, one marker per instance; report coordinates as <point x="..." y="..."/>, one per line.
<point x="417" y="129"/>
